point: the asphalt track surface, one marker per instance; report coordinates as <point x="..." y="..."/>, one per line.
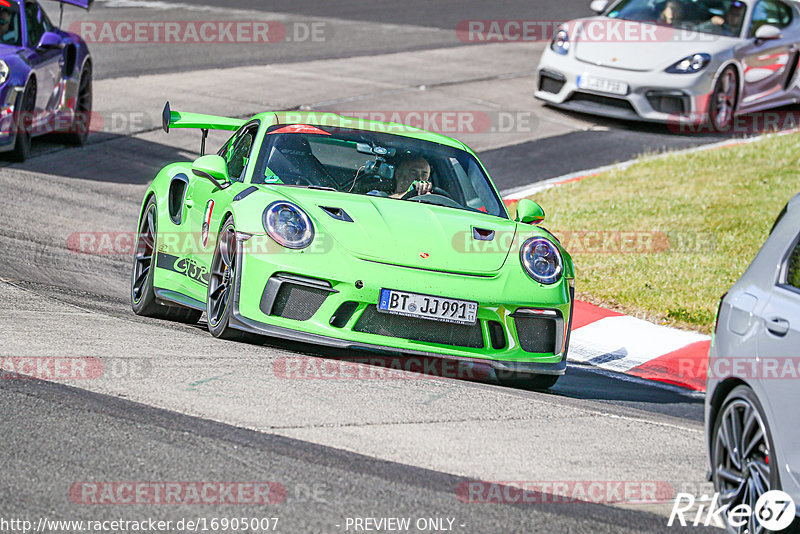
<point x="209" y="410"/>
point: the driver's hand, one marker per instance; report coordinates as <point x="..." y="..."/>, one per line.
<point x="423" y="187"/>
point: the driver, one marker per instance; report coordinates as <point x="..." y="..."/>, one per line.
<point x="8" y="35"/>
<point x="672" y="13"/>
<point x="732" y="20"/>
<point x="413" y="174"/>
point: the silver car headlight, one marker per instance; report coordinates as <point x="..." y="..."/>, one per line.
<point x="690" y="64"/>
<point x="4" y="71"/>
<point x="288" y="225"/>
<point x="541" y="260"/>
<point x="560" y="43"/>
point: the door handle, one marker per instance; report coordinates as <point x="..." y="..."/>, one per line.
<point x="188" y="203"/>
<point x="778" y="326"/>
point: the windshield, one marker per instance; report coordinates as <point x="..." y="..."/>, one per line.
<point x="9" y="25"/>
<point x="377" y="164"/>
<point x="718" y="17"/>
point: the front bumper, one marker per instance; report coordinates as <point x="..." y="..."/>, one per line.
<point x="353" y="284"/>
<point x="652" y="97"/>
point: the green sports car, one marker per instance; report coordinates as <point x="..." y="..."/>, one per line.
<point x="336" y="231"/>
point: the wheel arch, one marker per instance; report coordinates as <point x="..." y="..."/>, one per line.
<point x="718" y="398"/>
<point x="149" y="195"/>
<point x="87" y="62"/>
<point x="227" y="214"/>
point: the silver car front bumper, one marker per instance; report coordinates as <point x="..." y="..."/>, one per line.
<point x="650" y="96"/>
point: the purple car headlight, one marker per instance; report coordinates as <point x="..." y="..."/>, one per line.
<point x="288" y="225"/>
<point x="541" y="260"/>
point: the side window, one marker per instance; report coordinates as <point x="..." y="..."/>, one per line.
<point x="772" y="12"/>
<point x="238" y="152"/>
<point x="10" y="25"/>
<point x="35" y="19"/>
<point x="793" y="268"/>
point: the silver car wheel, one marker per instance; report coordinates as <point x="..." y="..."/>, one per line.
<point x="724" y="99"/>
<point x="741" y="459"/>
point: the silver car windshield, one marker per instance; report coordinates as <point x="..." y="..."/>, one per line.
<point x="718" y="17"/>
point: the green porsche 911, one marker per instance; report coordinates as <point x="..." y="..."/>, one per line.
<point x="336" y="231"/>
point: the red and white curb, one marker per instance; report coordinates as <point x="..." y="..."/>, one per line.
<point x="616" y="342"/>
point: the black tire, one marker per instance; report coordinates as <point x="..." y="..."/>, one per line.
<point x="23" y="122"/>
<point x="527" y="381"/>
<point x="143" y="297"/>
<point x="723" y="101"/>
<point x="739" y="406"/>
<point x="219" y="305"/>
<point x="78" y="132"/>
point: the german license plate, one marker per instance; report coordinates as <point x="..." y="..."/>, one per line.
<point x="428" y="307"/>
<point x="602" y="85"/>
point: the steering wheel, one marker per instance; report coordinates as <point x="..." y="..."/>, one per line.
<point x="434" y="191"/>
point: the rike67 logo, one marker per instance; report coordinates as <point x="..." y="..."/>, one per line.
<point x="774" y="511"/>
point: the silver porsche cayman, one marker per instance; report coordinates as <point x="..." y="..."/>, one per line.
<point x="693" y="61"/>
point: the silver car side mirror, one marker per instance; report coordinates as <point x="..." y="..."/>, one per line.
<point x="598" y="6"/>
<point x="768" y="32"/>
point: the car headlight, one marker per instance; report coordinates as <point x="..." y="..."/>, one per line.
<point x="541" y="259"/>
<point x="560" y="43"/>
<point x="690" y="64"/>
<point x="4" y="71"/>
<point x="288" y="225"/>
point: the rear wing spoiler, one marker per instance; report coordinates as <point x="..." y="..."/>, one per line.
<point x="204" y="123"/>
<point x="179" y="119"/>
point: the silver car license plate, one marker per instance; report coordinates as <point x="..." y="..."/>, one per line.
<point x="602" y="85"/>
<point x="428" y="307"/>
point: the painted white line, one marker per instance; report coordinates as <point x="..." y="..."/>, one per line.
<point x="154" y="4"/>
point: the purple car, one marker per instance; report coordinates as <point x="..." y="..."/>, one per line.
<point x="45" y="78"/>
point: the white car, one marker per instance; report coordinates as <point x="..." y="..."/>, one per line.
<point x="675" y="60"/>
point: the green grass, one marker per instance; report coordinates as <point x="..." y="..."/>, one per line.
<point x="696" y="221"/>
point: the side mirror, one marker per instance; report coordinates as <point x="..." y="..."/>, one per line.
<point x="49" y="41"/>
<point x="598" y="6"/>
<point x="529" y="212"/>
<point x="212" y="168"/>
<point x="768" y="32"/>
